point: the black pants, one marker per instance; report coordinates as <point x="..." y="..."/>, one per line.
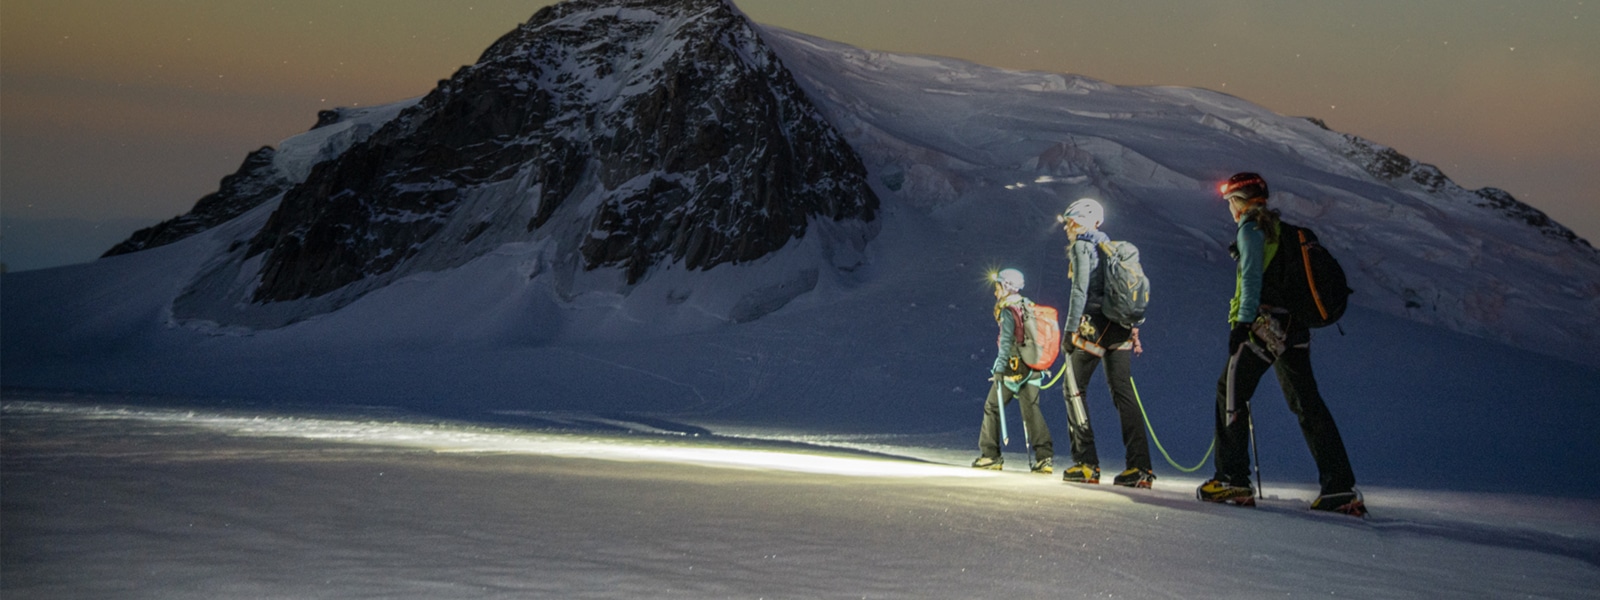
<point x="1234" y="390"/>
<point x="1032" y="418"/>
<point x="1119" y="379"/>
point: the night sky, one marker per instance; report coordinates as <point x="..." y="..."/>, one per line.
<point x="135" y="108"/>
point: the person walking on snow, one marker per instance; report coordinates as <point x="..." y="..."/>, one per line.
<point x="1257" y="324"/>
<point x="1012" y="379"/>
<point x="1095" y="338"/>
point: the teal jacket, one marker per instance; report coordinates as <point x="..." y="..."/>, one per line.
<point x="1255" y="253"/>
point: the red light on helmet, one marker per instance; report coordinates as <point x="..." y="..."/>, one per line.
<point x="1242" y="181"/>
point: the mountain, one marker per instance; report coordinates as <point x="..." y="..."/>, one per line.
<point x="437" y="266"/>
<point x="629" y="135"/>
<point x="621" y="134"/>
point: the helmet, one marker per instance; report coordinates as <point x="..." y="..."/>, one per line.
<point x="1244" y="186"/>
<point x="1086" y="211"/>
<point x="1011" y="279"/>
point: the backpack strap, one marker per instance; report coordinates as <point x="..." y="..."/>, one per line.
<point x="1018" y="333"/>
<point x="1311" y="278"/>
<point x="1018" y="330"/>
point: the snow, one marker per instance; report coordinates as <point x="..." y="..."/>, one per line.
<point x="297" y="155"/>
<point x="115" y="502"/>
<point x="513" y="428"/>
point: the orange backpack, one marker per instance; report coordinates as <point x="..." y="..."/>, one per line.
<point x="1038" y="334"/>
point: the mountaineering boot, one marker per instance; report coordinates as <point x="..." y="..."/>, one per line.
<point x="1349" y="503"/>
<point x="1223" y="492"/>
<point x="994" y="463"/>
<point x="1043" y="466"/>
<point x="1082" y="473"/>
<point x="1135" y="478"/>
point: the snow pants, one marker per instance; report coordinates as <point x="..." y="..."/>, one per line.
<point x="1118" y="377"/>
<point x="1238" y="384"/>
<point x="1028" y="398"/>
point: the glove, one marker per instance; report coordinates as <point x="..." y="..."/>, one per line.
<point x="1237" y="337"/>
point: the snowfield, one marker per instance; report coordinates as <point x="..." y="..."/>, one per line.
<point x="104" y="501"/>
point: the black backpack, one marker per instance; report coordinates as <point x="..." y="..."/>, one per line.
<point x="1314" y="287"/>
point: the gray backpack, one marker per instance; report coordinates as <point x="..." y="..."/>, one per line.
<point x="1127" y="289"/>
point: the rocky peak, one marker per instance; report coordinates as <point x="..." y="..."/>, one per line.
<point x="635" y="132"/>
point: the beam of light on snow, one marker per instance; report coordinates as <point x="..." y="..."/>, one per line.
<point x="469" y="439"/>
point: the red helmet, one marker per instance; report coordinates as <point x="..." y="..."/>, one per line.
<point x="1244" y="186"/>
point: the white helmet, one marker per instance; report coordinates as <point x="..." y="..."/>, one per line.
<point x="1086" y="211"/>
<point x="1011" y="279"/>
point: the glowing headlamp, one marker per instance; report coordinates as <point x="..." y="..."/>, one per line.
<point x="1244" y="186"/>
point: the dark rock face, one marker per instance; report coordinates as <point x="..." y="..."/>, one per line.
<point x="651" y="131"/>
<point x="255" y="182"/>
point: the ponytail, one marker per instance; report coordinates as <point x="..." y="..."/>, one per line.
<point x="1266" y="219"/>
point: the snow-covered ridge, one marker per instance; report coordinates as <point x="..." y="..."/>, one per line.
<point x="939" y="132"/>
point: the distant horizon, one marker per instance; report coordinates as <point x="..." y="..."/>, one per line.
<point x="29" y="243"/>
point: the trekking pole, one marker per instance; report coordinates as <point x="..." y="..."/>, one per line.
<point x="1250" y="418"/>
<point x="1027" y="446"/>
<point x="1000" y="407"/>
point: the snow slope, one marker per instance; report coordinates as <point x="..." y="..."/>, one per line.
<point x="112" y="502"/>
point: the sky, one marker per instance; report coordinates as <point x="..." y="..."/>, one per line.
<point x="135" y="109"/>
